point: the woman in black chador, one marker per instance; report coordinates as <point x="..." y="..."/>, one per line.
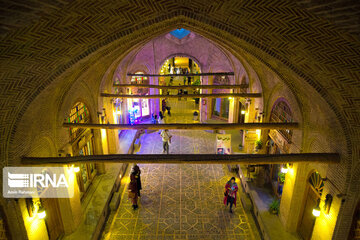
<point x="137" y="172"/>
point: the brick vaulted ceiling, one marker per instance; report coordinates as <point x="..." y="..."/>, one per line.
<point x="40" y="40"/>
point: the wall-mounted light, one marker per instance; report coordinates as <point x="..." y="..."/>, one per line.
<point x="284" y="169"/>
<point x="316" y="210"/>
<point x="243" y="112"/>
<point x="230" y="98"/>
<point x="76" y="169"/>
<point x="41" y="212"/>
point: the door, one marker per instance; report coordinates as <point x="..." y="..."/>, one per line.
<point x="308" y="219"/>
<point x="355" y="226"/>
<point x="53" y="218"/>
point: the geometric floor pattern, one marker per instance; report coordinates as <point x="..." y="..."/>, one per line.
<point x="181" y="201"/>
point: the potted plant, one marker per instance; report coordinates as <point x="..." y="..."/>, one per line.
<point x="258" y="144"/>
<point x="196" y="115"/>
<point x="281" y="177"/>
<point x="274" y="206"/>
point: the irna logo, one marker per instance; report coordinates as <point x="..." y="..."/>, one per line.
<point x="46" y="182"/>
<point x="36" y="180"/>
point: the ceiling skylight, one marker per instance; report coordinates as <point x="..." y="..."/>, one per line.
<point x="180" y="33"/>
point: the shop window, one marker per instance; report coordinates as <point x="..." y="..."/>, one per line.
<point x="220" y="106"/>
<point x="138" y="108"/>
<point x="78" y="114"/>
<point x="82" y="144"/>
<point x="87" y="170"/>
<point x="281" y="113"/>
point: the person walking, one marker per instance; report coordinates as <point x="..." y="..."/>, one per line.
<point x="167" y="104"/>
<point x="163" y="105"/>
<point x="133" y="190"/>
<point x="166" y="139"/>
<point x="137" y="171"/>
<point x="161" y="118"/>
<point x="154" y="119"/>
<point x="231" y="189"/>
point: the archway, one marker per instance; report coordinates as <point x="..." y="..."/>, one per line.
<point x="180" y="64"/>
<point x="314" y="190"/>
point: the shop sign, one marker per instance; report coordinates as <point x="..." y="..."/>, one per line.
<point x="279" y="140"/>
<point x="223" y="143"/>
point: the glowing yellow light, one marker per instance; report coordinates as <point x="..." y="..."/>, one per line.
<point x="76" y="169"/>
<point x="120" y="176"/>
<point x="41" y="213"/>
<point x="230" y="98"/>
<point x="243" y="112"/>
<point x="71" y="169"/>
<point x="258" y="133"/>
<point x="316" y="211"/>
<point x="284" y="169"/>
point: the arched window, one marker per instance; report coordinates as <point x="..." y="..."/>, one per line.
<point x="281" y="112"/>
<point x="220" y="106"/>
<point x="316" y="182"/>
<point x="78" y="114"/>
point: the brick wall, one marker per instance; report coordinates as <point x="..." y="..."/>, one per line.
<point x="59" y="44"/>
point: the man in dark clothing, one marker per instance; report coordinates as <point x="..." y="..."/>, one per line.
<point x="137" y="171"/>
<point x="133" y="190"/>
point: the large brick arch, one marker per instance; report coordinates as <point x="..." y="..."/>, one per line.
<point x="300" y="47"/>
<point x="216" y="30"/>
<point x="337" y="43"/>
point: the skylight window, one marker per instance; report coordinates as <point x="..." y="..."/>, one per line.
<point x="180" y="33"/>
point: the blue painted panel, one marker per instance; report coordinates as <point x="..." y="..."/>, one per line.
<point x="180" y="33"/>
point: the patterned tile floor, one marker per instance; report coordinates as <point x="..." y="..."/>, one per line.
<point x="181" y="201"/>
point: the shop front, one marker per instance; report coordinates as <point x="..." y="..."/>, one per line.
<point x="274" y="173"/>
<point x="221" y="106"/>
<point x="279" y="142"/>
<point x="82" y="142"/>
<point x="138" y="108"/>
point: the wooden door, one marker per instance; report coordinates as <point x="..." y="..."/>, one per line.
<point x="53" y="218"/>
<point x="308" y="219"/>
<point x="355" y="226"/>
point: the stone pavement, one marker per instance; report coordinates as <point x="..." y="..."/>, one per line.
<point x="181" y="201"/>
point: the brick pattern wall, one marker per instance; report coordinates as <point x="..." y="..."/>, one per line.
<point x="345" y="14"/>
<point x="61" y="43"/>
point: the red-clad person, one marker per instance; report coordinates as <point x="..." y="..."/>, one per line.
<point x="231" y="189"/>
